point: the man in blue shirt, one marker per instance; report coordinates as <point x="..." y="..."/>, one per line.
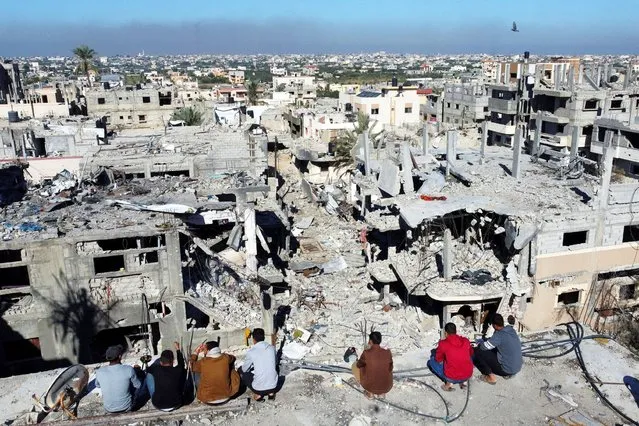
<point x="119" y="383"/>
<point x="501" y="354"/>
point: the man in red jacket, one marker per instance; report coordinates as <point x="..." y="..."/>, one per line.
<point x="452" y="360"/>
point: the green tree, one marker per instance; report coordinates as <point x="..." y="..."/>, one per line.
<point x="327" y="93"/>
<point x="213" y="79"/>
<point x="252" y="92"/>
<point x="190" y="115"/>
<point x="347" y="139"/>
<point x="133" y="79"/>
<point x="85" y="55"/>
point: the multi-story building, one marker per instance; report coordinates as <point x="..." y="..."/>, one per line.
<point x="297" y="90"/>
<point x="236" y="76"/>
<point x="391" y="106"/>
<point x="432" y="110"/>
<point x="464" y="105"/>
<point x="10" y="83"/>
<point x="130" y="107"/>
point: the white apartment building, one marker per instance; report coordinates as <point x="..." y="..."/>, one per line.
<point x="392" y="106"/>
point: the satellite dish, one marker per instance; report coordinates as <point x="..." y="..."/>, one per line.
<point x="514" y="28"/>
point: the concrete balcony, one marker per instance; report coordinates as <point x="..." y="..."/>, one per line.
<point x="503" y="106"/>
<point x="557" y="141"/>
<point x="557" y="93"/>
<point x="504" y="129"/>
<point x="630" y="154"/>
<point x="560" y="117"/>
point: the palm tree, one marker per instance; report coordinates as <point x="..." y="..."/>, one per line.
<point x="85" y="54"/>
<point x="347" y="140"/>
<point x="191" y="116"/>
<point x="252" y="94"/>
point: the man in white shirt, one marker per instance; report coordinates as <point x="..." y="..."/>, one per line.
<point x="258" y="371"/>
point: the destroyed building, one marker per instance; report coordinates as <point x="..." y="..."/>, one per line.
<point x="464" y="105"/>
<point x="167" y="247"/>
<point x="132" y="106"/>
<point x="461" y="232"/>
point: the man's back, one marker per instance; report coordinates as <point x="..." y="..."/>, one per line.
<point x="169" y="383"/>
<point x="115" y="382"/>
<point x="376" y="365"/>
<point x="262" y="357"/>
<point x="508" y="346"/>
<point x="218" y="379"/>
<point x="455" y="353"/>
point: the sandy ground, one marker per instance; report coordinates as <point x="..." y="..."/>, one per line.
<point x="317" y="398"/>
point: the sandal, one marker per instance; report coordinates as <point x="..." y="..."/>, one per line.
<point x="447" y="388"/>
<point x="485" y="380"/>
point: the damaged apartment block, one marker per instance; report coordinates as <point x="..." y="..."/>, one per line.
<point x="162" y="249"/>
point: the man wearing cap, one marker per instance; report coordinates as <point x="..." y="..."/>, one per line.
<point x="119" y="383"/>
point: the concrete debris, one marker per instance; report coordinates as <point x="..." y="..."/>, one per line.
<point x="295" y="350"/>
<point x="335" y="265"/>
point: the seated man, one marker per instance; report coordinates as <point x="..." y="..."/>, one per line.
<point x="116" y="381"/>
<point x="452" y="360"/>
<point x="374" y="369"/>
<point x="215" y="375"/>
<point x="259" y="371"/>
<point x="166" y="382"/>
<point x="500" y="355"/>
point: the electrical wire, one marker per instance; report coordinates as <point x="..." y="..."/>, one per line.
<point x="402" y="375"/>
<point x="576" y="336"/>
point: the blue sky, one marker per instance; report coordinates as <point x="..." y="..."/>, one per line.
<point x="305" y="26"/>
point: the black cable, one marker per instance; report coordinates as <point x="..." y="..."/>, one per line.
<point x="576" y="333"/>
<point x="590" y="380"/>
<point x="446" y="419"/>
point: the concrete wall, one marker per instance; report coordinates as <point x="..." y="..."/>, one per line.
<point x="50" y="110"/>
<point x="563" y="272"/>
<point x="73" y="300"/>
<point x="387" y="110"/>
<point x="132" y="108"/>
<point x="43" y="168"/>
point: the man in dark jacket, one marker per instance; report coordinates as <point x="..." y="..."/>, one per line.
<point x="166" y="382"/>
<point x="501" y="354"/>
<point x="374" y="369"/>
<point x="452" y="360"/>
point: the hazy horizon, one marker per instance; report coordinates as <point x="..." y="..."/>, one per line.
<point x="570" y="27"/>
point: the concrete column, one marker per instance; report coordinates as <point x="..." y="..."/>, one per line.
<point x="447" y="254"/>
<point x="537" y="142"/>
<point x="606" y="169"/>
<point x="267" y="311"/>
<point x="425" y="139"/>
<point x="517" y="154"/>
<point x="574" y="143"/>
<point x="484" y="141"/>
<point x="632" y="110"/>
<point x="451" y="153"/>
<point x="367" y="154"/>
<point x="251" y="240"/>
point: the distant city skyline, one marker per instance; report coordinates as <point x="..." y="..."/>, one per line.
<point x="571" y="27"/>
